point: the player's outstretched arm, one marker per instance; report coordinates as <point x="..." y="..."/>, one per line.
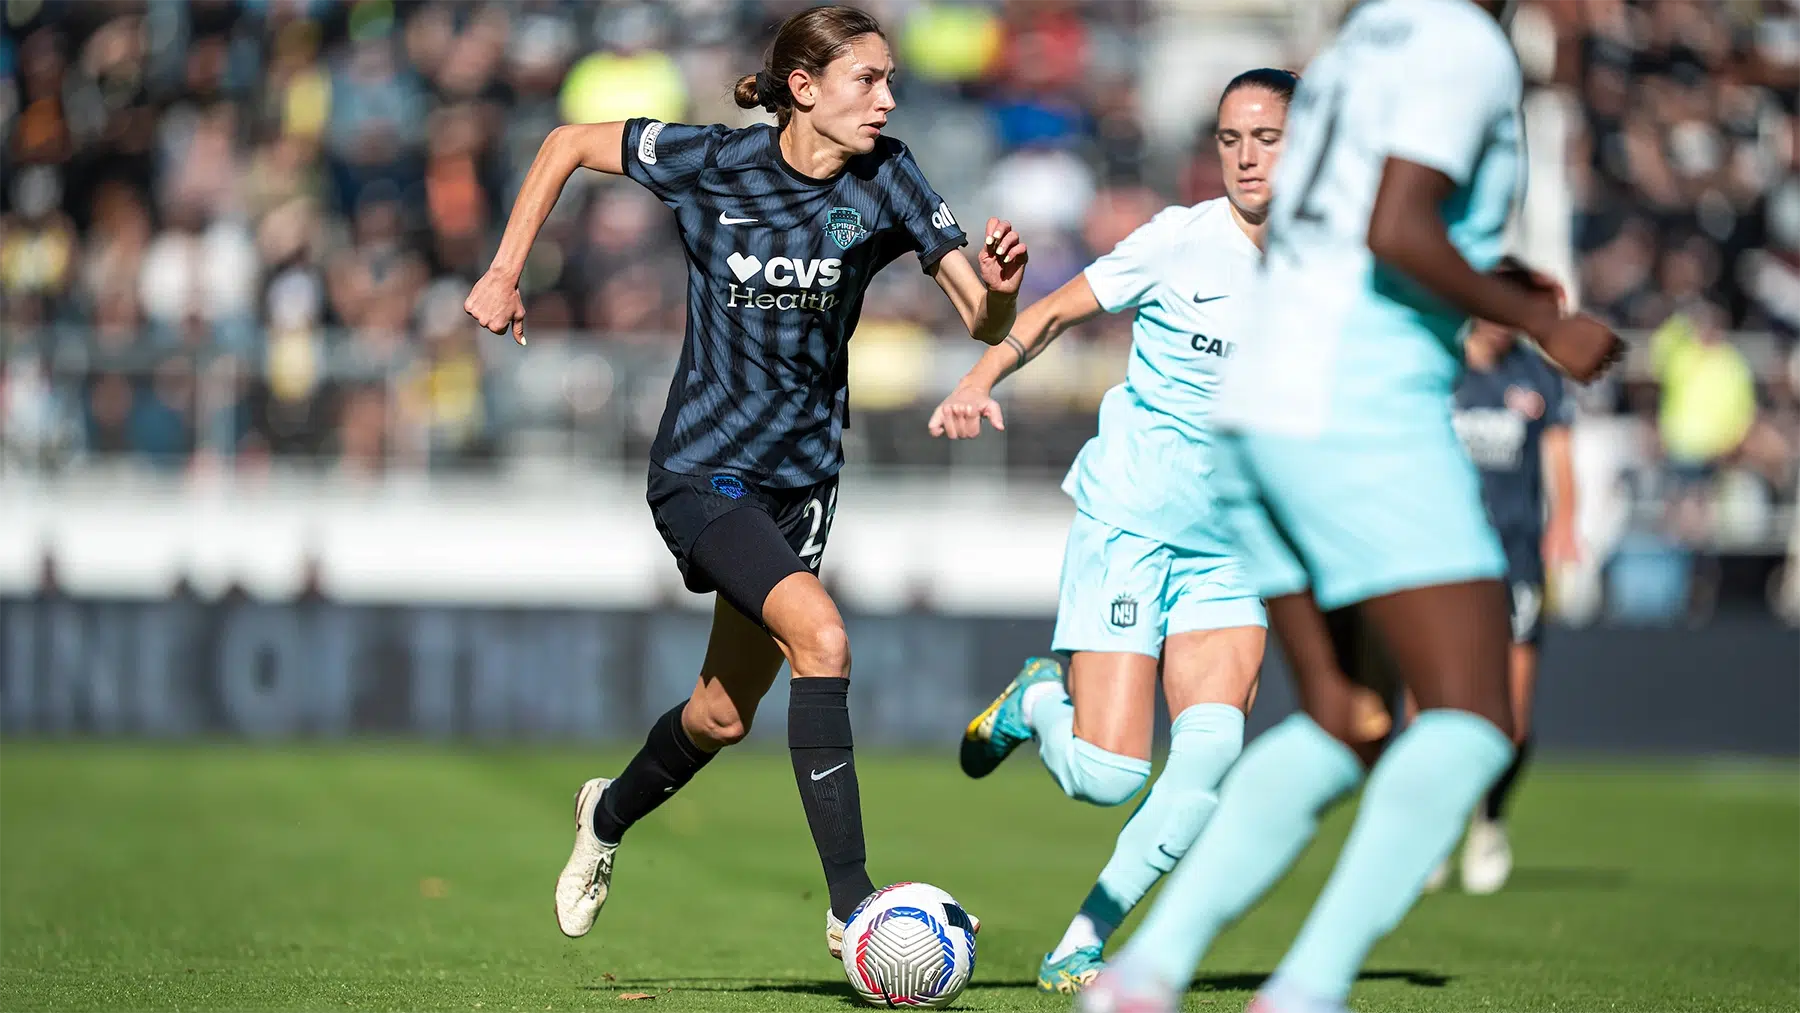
<point x="1406" y="232"/>
<point x="986" y="294"/>
<point x="959" y="416"/>
<point x="495" y="302"/>
<point x="1560" y="543"/>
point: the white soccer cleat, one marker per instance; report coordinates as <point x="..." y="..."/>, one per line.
<point x="1486" y="858"/>
<point x="834" y="935"/>
<point x="581" y="889"/>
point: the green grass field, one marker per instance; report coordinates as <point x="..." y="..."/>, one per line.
<point x="227" y="877"/>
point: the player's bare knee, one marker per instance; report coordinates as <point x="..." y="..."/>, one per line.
<point x="823" y="651"/>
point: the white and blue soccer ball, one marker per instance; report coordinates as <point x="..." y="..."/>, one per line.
<point x="910" y="944"/>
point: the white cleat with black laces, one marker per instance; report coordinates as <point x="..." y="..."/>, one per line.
<point x="582" y="887"/>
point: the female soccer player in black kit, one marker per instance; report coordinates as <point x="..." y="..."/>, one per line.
<point x="783" y="230"/>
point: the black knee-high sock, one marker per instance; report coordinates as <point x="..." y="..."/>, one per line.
<point x="825" y="769"/>
<point x="1495" y="806"/>
<point x="668" y="760"/>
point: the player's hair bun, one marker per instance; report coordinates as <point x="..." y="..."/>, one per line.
<point x="746" y="92"/>
<point x="761" y="89"/>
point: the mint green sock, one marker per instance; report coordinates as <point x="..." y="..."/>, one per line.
<point x="1268" y="809"/>
<point x="1083" y="770"/>
<point x="1418" y="798"/>
<point x="1204" y="741"/>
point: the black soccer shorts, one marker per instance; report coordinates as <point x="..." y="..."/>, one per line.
<point x="1525" y="585"/>
<point x="728" y="534"/>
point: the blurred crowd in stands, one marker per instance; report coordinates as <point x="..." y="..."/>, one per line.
<point x="240" y="231"/>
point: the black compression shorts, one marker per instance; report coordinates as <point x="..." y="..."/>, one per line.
<point x="738" y="538"/>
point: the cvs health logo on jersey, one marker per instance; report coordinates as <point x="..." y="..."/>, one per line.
<point x="802" y="282"/>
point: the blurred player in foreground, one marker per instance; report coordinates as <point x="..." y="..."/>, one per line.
<point x="1148" y="575"/>
<point x="1403" y="168"/>
<point x="783" y="230"/>
<point x="1513" y="415"/>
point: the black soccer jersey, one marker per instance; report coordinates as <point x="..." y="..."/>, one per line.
<point x="777" y="265"/>
<point x="1501" y="415"/>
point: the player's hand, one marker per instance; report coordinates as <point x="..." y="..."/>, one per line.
<point x="1582" y="346"/>
<point x="959" y="416"/>
<point x="1560" y="545"/>
<point x="495" y="304"/>
<point x="1542" y="284"/>
<point x="1552" y="287"/>
<point x="1002" y="257"/>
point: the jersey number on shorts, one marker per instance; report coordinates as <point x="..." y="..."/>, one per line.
<point x="1526" y="605"/>
<point x="822" y="515"/>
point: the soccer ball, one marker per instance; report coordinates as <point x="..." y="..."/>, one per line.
<point x="909" y="944"/>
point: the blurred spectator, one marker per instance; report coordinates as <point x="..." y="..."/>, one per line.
<point x="1708" y="405"/>
<point x="362" y="431"/>
<point x="377" y="118"/>
<point x="32" y="429"/>
<point x="1708" y="391"/>
<point x="631" y="75"/>
<point x="198" y="280"/>
<point x="38" y="244"/>
<point x="240" y="225"/>
<point x="41" y="135"/>
<point x="116" y="242"/>
<point x="374" y="282"/>
<point x="443" y="402"/>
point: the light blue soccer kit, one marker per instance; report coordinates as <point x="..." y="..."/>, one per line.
<point x="1345" y="475"/>
<point x="1146" y="556"/>
<point x="1343" y="471"/>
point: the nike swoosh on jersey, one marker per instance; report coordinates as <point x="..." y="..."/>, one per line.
<point x="822" y="775"/>
<point x="725" y="219"/>
<point x="1213" y="298"/>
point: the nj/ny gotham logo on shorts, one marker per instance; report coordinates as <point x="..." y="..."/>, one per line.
<point x="844" y="226"/>
<point x="1124" y="611"/>
<point x="729" y="486"/>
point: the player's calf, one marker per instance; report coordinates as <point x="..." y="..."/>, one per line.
<point x="713" y="726"/>
<point x="822" y="750"/>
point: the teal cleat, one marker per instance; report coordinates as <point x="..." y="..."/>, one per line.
<point x="1001" y="728"/>
<point x="1072" y="973"/>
